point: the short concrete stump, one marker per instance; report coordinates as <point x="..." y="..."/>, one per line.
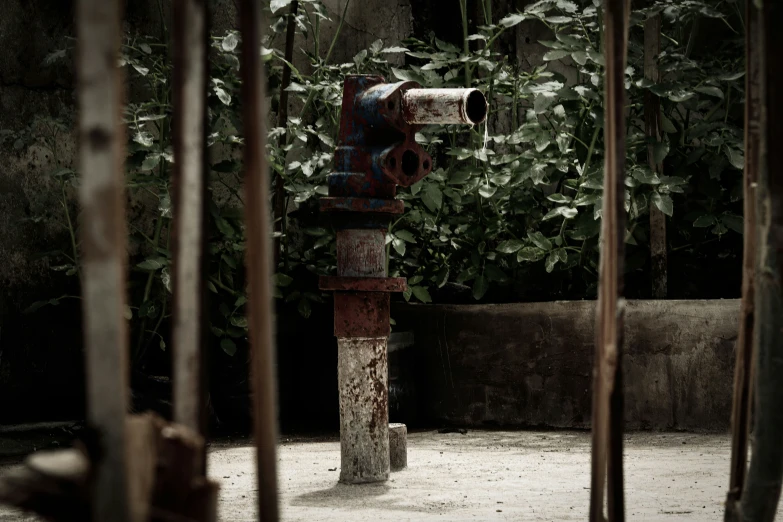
<point x="398" y="446"/>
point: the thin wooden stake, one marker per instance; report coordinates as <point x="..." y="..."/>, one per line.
<point x="101" y="151"/>
<point x="743" y="366"/>
<point x="607" y="451"/>
<point x="189" y="20"/>
<point x="258" y="261"/>
<point x="652" y="123"/>
<point x="282" y="121"/>
<point x="765" y="475"/>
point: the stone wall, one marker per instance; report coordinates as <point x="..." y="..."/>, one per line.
<point x="531" y="364"/>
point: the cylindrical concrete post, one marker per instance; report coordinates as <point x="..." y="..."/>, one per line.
<point x="398" y="446"/>
<point x="364" y="409"/>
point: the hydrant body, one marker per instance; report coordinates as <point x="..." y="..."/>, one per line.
<point x="376" y="151"/>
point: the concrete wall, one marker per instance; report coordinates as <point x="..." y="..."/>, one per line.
<point x="531" y="364"/>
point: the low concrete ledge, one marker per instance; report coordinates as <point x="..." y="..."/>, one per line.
<point x="530" y="364"/>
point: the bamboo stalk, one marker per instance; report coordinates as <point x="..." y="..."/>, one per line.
<point x="101" y="151"/>
<point x="607" y="451"/>
<point x="258" y="261"/>
<point x="190" y="44"/>
<point x="765" y="474"/>
<point x="652" y="123"/>
<point x="743" y="366"/>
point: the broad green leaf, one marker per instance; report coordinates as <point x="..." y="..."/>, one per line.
<point x="151" y="264"/>
<point x="493" y="273"/>
<point x="282" y="280"/>
<point x="579" y="57"/>
<point x="704" y="221"/>
<point x="540" y="241"/>
<point x="736" y="158"/>
<point x="421" y="294"/>
<point x="667" y="125"/>
<point x="660" y="151"/>
<point x="510" y="246"/>
<point x="733" y="222"/>
<point x="645" y="175"/>
<point x="223" y="96"/>
<point x="566" y="212"/>
<point x="228" y="346"/>
<point x="230" y="42"/>
<point x="304" y="308"/>
<point x="399" y="246"/>
<point x="559" y="198"/>
<point x="486" y="190"/>
<point x="551" y="261"/>
<point x="442" y="277"/>
<point x="240" y="321"/>
<point x="663" y="202"/>
<point x="555" y="54"/>
<point x="530" y="254"/>
<point x="480" y="287"/>
<point x="432" y="197"/>
<point x="712" y="91"/>
<point x="513" y="19"/>
<point x="405" y="235"/>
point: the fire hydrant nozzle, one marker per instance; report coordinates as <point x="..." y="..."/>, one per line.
<point x="376" y="151"/>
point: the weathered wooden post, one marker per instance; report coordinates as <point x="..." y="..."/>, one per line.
<point x="743" y="365"/>
<point x="607" y="423"/>
<point x="652" y="125"/>
<point x="765" y="475"/>
<point x="190" y="44"/>
<point x="102" y="154"/>
<point x="258" y="260"/>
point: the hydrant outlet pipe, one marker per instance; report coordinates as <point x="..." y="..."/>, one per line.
<point x="444" y="106"/>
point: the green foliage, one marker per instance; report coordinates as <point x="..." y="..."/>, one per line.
<point x="506" y="202"/>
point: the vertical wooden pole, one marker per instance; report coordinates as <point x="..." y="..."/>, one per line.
<point x="743" y="366"/>
<point x="652" y="123"/>
<point x="765" y="474"/>
<point x="101" y="152"/>
<point x="607" y="451"/>
<point x="282" y="121"/>
<point x="190" y="34"/>
<point x="258" y="260"/>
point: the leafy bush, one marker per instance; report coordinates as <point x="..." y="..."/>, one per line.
<point x="506" y="204"/>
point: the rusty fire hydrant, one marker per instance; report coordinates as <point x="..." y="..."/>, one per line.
<point x="376" y="151"/>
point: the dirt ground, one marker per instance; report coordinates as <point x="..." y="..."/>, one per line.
<point x="482" y="475"/>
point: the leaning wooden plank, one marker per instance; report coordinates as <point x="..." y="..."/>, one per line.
<point x="258" y="260"/>
<point x="101" y="156"/>
<point x="652" y="125"/>
<point x="743" y="366"/>
<point x="765" y="474"/>
<point x="607" y="421"/>
<point x="189" y="20"/>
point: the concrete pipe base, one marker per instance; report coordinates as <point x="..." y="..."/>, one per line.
<point x="362" y="370"/>
<point x="398" y="446"/>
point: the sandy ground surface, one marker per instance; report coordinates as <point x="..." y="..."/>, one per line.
<point x="483" y="475"/>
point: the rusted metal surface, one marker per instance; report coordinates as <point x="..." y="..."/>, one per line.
<point x="101" y="158"/>
<point x="381" y="206"/>
<point x="361" y="253"/>
<point x="443" y="106"/>
<point x="743" y="367"/>
<point x="258" y="260"/>
<point x="607" y="415"/>
<point x="363" y="284"/>
<point x="362" y="370"/>
<point x="376" y="151"/>
<point x="361" y="314"/>
<point x="189" y="19"/>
